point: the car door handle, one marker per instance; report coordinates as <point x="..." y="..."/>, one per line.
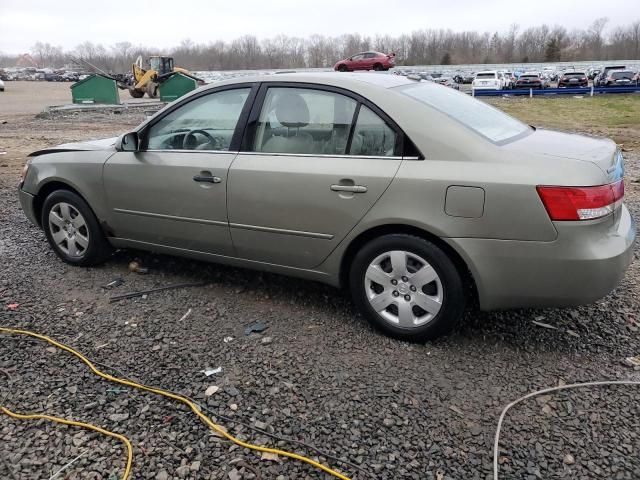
<point x="349" y="188"/>
<point x="206" y="179"/>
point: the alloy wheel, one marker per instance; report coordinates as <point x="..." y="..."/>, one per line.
<point x="69" y="229"/>
<point x="403" y="288"/>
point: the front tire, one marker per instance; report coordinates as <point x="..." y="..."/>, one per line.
<point x="407" y="287"/>
<point x="342" y="68"/>
<point x="73" y="230"/>
<point x="378" y="67"/>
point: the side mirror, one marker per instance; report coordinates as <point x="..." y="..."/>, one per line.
<point x="129" y="142"/>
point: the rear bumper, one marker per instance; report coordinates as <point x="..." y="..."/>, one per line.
<point x="27" y="201"/>
<point x="581" y="266"/>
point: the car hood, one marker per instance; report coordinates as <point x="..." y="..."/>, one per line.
<point x="549" y="143"/>
<point x="89" y="145"/>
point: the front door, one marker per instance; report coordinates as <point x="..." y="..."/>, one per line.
<point x="173" y="191"/>
<point x="317" y="161"/>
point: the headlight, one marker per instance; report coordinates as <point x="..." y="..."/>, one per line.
<point x="25" y="169"/>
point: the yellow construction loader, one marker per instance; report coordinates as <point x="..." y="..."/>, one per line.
<point x="147" y="81"/>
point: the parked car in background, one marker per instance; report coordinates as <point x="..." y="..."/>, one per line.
<point x="488" y="80"/>
<point x="573" y="79"/>
<point x="70" y="77"/>
<point x="367" y="61"/>
<point x="447" y="82"/>
<point x="53" y="77"/>
<point x="509" y="79"/>
<point x="593" y="73"/>
<point x="619" y="78"/>
<point x="600" y="79"/>
<point x="322" y="176"/>
<point x="531" y="80"/>
<point x="468" y="77"/>
<point x="1" y="86"/>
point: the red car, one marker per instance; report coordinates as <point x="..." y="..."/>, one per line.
<point x="367" y="61"/>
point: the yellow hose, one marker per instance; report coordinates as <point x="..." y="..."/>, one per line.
<point x="122" y="438"/>
<point x="173" y="396"/>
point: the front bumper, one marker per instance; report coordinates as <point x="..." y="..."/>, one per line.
<point x="583" y="265"/>
<point x="27" y="203"/>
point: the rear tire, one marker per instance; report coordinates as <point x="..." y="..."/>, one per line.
<point x="73" y="230"/>
<point x="420" y="294"/>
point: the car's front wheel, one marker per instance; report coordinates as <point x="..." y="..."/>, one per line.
<point x="407" y="287"/>
<point x="73" y="230"/>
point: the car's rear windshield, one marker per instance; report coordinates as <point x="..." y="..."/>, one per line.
<point x="486" y="75"/>
<point x="574" y="75"/>
<point x="619" y="75"/>
<point x="529" y="76"/>
<point x="480" y="117"/>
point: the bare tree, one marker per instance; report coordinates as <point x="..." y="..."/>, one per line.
<point x="420" y="47"/>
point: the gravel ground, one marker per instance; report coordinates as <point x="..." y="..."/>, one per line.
<point x="318" y="374"/>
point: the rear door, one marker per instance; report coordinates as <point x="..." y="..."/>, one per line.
<point x="173" y="191"/>
<point x="314" y="161"/>
<point x="369" y="59"/>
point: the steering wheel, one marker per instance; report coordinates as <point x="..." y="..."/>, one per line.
<point x="190" y="142"/>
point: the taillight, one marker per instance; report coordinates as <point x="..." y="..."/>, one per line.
<point x="581" y="203"/>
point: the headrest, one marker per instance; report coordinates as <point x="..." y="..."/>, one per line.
<point x="292" y="111"/>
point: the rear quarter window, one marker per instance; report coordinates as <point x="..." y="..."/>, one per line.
<point x="487" y="121"/>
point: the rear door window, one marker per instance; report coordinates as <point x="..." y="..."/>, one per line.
<point x="304" y="121"/>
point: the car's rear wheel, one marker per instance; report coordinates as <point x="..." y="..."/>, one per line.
<point x="407" y="287"/>
<point x="73" y="230"/>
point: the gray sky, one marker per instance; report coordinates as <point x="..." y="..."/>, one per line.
<point x="69" y="22"/>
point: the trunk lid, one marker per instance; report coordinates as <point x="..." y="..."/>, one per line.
<point x="599" y="151"/>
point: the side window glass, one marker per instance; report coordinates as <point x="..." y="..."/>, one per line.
<point x="304" y="121"/>
<point x="206" y="123"/>
<point x="372" y="136"/>
<point x="358" y="57"/>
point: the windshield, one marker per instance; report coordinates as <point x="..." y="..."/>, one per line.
<point x="480" y="117"/>
<point x="620" y="75"/>
<point x="486" y="75"/>
<point x="574" y="75"/>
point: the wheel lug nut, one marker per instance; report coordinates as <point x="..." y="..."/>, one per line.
<point x="413" y="288"/>
<point x="395" y="293"/>
<point x="404" y="279"/>
<point x="394" y="282"/>
<point x="407" y="297"/>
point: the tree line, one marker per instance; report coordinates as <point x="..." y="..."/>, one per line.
<point x="422" y="47"/>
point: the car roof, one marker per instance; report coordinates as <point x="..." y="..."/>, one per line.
<point x="340" y="79"/>
<point x="487" y="71"/>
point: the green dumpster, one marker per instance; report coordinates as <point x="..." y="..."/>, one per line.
<point x="95" y="89"/>
<point x="176" y="86"/>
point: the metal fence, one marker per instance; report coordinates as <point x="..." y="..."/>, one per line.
<point x="587" y="91"/>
